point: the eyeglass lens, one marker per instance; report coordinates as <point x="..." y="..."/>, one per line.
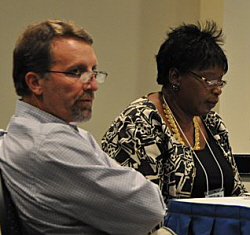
<point x="88" y="76"/>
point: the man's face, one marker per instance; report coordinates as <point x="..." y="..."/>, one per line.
<point x="64" y="95"/>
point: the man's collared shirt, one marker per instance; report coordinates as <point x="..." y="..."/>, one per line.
<point x="63" y="183"/>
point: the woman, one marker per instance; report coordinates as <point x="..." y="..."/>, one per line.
<point x="172" y="136"/>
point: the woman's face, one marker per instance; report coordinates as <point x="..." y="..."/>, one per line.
<point x="200" y="90"/>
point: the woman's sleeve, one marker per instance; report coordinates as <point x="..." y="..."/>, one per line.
<point x="136" y="139"/>
<point x="239" y="188"/>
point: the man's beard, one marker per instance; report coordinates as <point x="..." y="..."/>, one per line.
<point x="81" y="115"/>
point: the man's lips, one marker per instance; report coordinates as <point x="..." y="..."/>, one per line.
<point x="86" y="98"/>
<point x="85" y="101"/>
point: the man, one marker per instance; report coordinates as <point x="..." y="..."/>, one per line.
<point x="59" y="178"/>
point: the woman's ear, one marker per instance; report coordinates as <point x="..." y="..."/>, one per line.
<point x="34" y="82"/>
<point x="174" y="76"/>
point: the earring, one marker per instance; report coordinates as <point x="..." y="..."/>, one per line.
<point x="175" y="87"/>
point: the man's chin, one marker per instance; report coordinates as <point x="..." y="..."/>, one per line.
<point x="83" y="117"/>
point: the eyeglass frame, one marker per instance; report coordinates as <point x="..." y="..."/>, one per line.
<point x="81" y="74"/>
<point x="209" y="83"/>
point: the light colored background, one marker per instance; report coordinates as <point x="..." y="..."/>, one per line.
<point x="234" y="105"/>
<point x="127" y="35"/>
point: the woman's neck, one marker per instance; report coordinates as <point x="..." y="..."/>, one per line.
<point x="184" y="119"/>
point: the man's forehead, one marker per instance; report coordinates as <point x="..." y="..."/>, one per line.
<point x="72" y="50"/>
<point x="68" y="42"/>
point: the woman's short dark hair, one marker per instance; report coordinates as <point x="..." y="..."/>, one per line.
<point x="190" y="47"/>
<point x="33" y="48"/>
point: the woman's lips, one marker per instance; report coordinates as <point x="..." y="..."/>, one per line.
<point x="212" y="103"/>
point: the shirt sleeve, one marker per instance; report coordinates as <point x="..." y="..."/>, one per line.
<point x="86" y="184"/>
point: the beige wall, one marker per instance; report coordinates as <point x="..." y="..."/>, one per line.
<point x="234" y="105"/>
<point x="233" y="16"/>
<point x="212" y="10"/>
<point x="155" y="19"/>
<point x="127" y="35"/>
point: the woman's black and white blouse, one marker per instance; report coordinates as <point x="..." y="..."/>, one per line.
<point x="139" y="138"/>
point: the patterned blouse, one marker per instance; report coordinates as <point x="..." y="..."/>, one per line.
<point x="139" y="138"/>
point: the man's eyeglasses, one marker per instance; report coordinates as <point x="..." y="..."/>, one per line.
<point x="210" y="83"/>
<point x="84" y="77"/>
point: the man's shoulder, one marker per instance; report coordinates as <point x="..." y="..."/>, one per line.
<point x="32" y="127"/>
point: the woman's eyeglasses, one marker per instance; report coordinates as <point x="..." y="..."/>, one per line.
<point x="209" y="83"/>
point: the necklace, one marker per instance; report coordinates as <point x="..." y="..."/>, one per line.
<point x="172" y="122"/>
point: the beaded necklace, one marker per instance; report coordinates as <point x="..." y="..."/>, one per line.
<point x="172" y="122"/>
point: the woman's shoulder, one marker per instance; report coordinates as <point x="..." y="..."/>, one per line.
<point x="214" y="120"/>
<point x="139" y="106"/>
<point x="140" y="112"/>
<point x="143" y="102"/>
<point x="212" y="117"/>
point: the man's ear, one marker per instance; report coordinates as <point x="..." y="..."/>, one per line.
<point x="34" y="82"/>
<point x="174" y="76"/>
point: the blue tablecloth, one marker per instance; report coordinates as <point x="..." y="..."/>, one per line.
<point x="194" y="218"/>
